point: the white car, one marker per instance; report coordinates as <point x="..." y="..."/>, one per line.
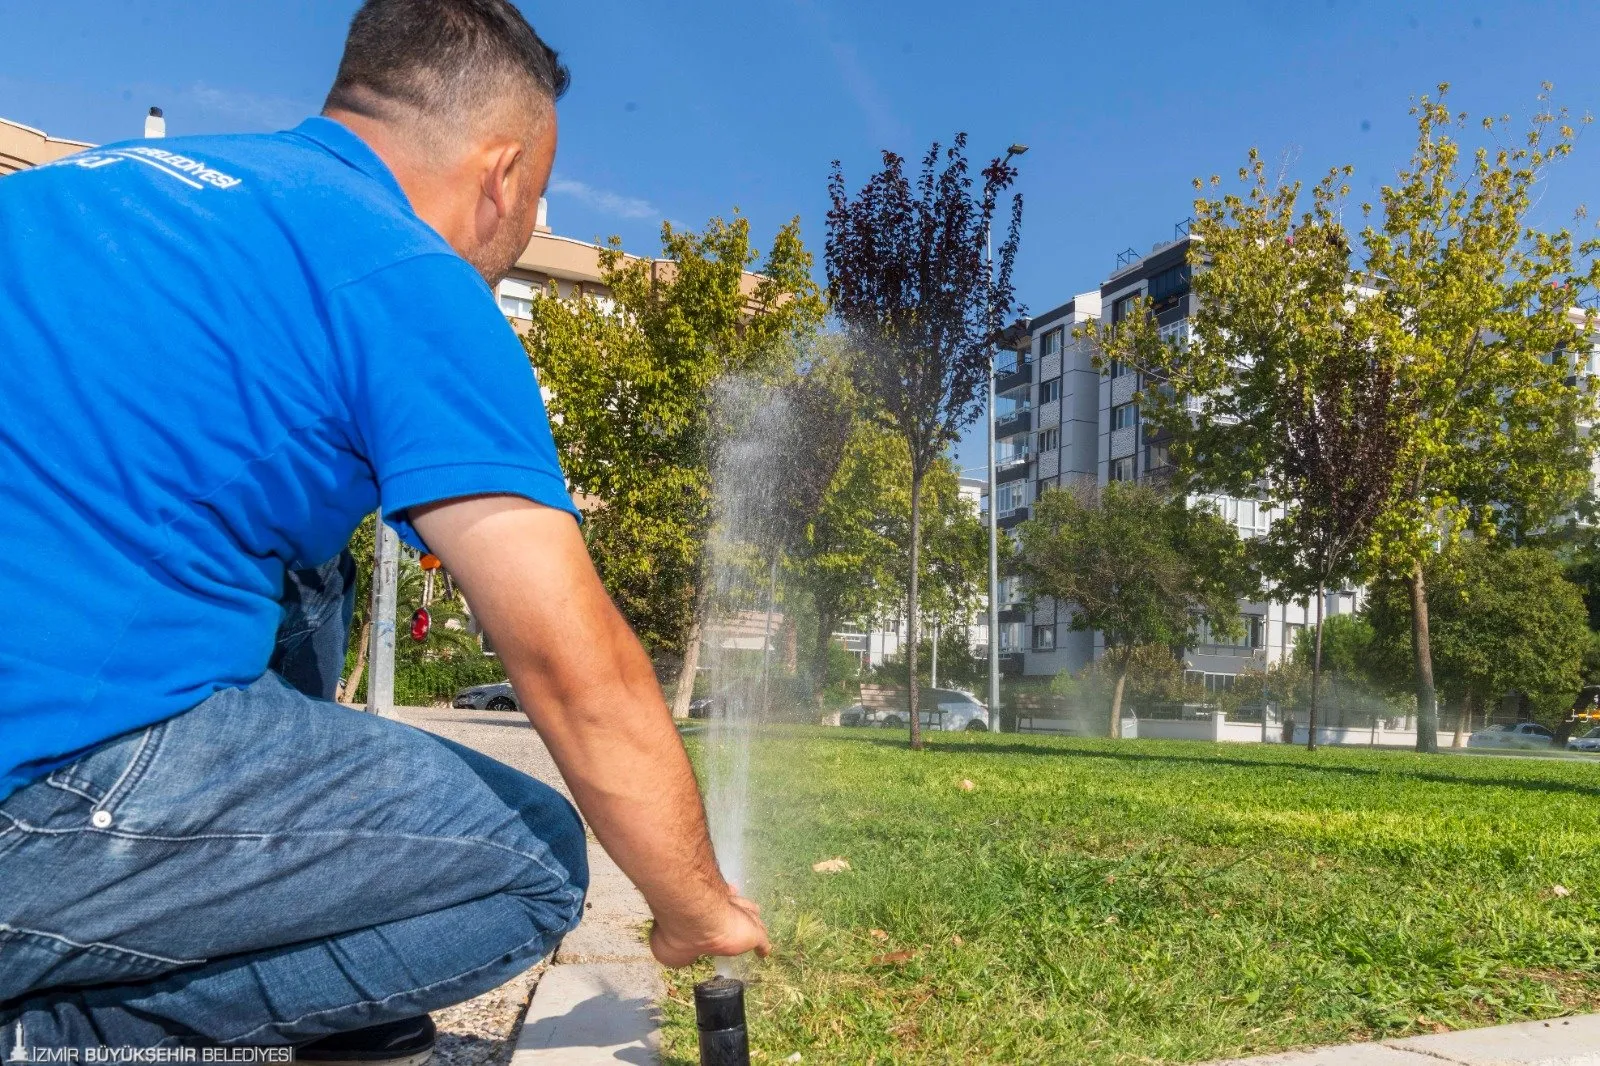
<point x="958" y="712"/>
<point x="1512" y="735"/>
<point x="1590" y="741"/>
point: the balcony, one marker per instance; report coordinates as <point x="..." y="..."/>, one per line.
<point x="1018" y="421"/>
<point x="1014" y="612"/>
<point x="1014" y="517"/>
<point x="1011" y="663"/>
<point x="1006" y="380"/>
<point x="1014" y="468"/>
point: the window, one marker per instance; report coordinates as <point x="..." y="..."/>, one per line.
<point x="516" y="298"/>
<point x="1011" y="450"/>
<point x="1216" y="683"/>
<point x="1010" y="404"/>
<point x="1013" y="496"/>
<point x="1124" y="416"/>
<point x="1174" y="281"/>
<point x="1049" y="440"/>
<point x="1050" y="391"/>
<point x="1121" y="469"/>
<point x="1011" y="636"/>
<point x="1157" y="456"/>
<point x="1044" y="638"/>
<point x="1010" y="591"/>
<point x="1051" y="344"/>
<point x="1251" y="634"/>
<point x="1123" y="307"/>
<point x="1291" y="634"/>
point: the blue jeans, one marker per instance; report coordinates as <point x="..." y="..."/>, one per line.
<point x="268" y="868"/>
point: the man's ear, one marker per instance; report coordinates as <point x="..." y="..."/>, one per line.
<point x="501" y="174"/>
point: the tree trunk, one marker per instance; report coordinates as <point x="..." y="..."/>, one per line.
<point x="791" y="644"/>
<point x="766" y="640"/>
<point x="684" y="694"/>
<point x="913" y="609"/>
<point x="821" y="653"/>
<point x="353" y="682"/>
<point x="1116" y="699"/>
<point x="1422" y="659"/>
<point x="1463" y="721"/>
<point x="1316" y="674"/>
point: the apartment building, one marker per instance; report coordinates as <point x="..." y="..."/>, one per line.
<point x="1086" y="423"/>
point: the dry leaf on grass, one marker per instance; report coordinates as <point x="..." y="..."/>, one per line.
<point x="967" y="786"/>
<point x="877" y="934"/>
<point x="830" y="866"/>
<point x="894" y="958"/>
<point x="793" y="1058"/>
<point x="1560" y="890"/>
<point x="956" y="940"/>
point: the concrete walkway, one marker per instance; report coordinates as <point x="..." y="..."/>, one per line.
<point x="598" y="1002"/>
<point x="1558" y="1042"/>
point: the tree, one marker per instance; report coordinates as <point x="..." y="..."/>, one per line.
<point x="631" y="379"/>
<point x="1392" y="405"/>
<point x="1135" y="562"/>
<point x="1481" y="312"/>
<point x="910" y="282"/>
<point x="1501" y="620"/>
<point x="1281" y="392"/>
<point x="853" y="562"/>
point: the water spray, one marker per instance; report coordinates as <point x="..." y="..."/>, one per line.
<point x="719" y="1017"/>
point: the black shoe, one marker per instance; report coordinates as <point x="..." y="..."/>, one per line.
<point x="407" y="1042"/>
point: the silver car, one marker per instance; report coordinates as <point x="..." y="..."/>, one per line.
<point x="1590" y="741"/>
<point x="495" y="697"/>
<point x="958" y="712"/>
<point x="1524" y="735"/>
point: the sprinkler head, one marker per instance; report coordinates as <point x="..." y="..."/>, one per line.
<point x="719" y="1015"/>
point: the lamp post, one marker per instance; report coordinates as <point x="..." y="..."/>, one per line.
<point x="994" y="502"/>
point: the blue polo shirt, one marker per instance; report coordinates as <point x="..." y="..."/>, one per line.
<point x="218" y="354"/>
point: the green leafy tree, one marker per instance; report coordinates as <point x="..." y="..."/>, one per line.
<point x="631" y="380"/>
<point x="1282" y="392"/>
<point x="1392" y="393"/>
<point x="1482" y="311"/>
<point x="1502" y="620"/>
<point x="909" y="279"/>
<point x="1136" y="563"/>
<point x="853" y="562"/>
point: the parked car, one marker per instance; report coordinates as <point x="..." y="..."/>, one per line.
<point x="957" y="712"/>
<point x="1590" y="741"/>
<point x="1512" y="735"/>
<point x="708" y="707"/>
<point x="495" y="697"/>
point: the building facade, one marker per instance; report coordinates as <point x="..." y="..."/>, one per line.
<point x="1064" y="420"/>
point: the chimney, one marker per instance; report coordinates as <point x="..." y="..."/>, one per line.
<point x="541" y="223"/>
<point x="154" y="124"/>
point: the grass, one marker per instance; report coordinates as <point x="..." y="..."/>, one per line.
<point x="1154" y="901"/>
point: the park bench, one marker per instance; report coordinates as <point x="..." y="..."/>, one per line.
<point x="1042" y="712"/>
<point x="887" y="706"/>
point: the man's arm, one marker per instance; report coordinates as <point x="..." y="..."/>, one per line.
<point x="589" y="689"/>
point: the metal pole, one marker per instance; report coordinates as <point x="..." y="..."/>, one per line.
<point x="994" y="550"/>
<point x="380" y="655"/>
<point x="933" y="670"/>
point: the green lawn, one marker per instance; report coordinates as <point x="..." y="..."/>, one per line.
<point x="1155" y="901"/>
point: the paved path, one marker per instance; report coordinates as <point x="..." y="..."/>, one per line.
<point x="598" y="1003"/>
<point x="1558" y="1042"/>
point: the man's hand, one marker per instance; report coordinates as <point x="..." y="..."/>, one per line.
<point x="736" y="930"/>
<point x="588" y="688"/>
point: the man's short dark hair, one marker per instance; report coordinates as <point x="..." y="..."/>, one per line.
<point x="445" y="58"/>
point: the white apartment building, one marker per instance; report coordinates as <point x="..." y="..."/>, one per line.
<point x="1060" y="419"/>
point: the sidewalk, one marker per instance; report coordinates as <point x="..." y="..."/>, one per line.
<point x="597" y="1003"/>
<point x="1558" y="1042"/>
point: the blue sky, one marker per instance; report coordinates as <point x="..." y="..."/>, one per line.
<point x="685" y="110"/>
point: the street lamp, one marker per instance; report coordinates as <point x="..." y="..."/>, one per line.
<point x="994" y="502"/>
